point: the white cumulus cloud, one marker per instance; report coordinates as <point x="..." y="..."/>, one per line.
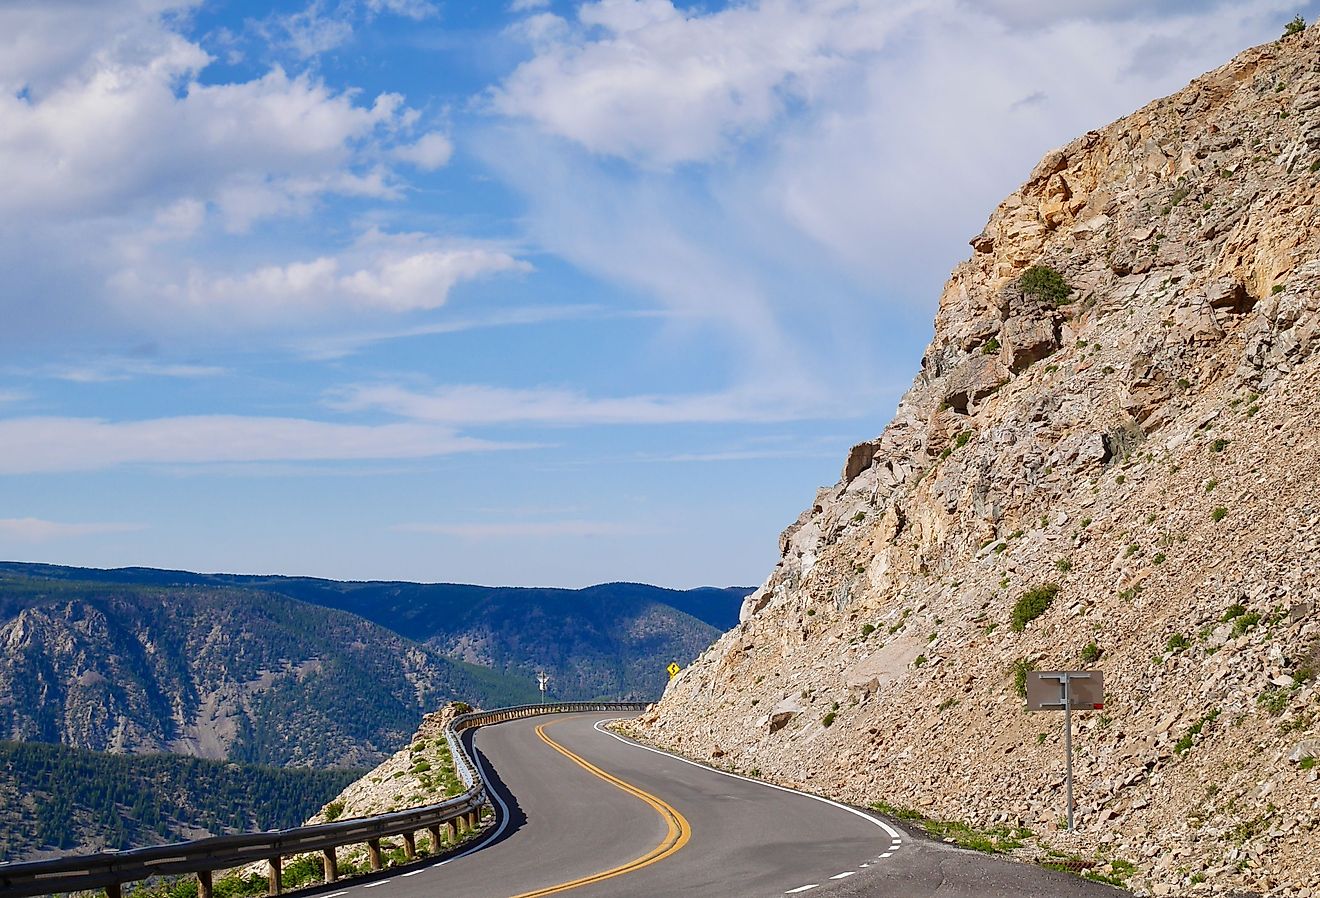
<point x="114" y="142"/>
<point x="429" y="152"/>
<point x="381" y="272"/>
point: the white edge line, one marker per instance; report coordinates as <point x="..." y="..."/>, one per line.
<point x="894" y="834"/>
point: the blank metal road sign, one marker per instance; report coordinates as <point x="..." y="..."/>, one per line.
<point x="1085" y="690"/>
<point x="1066" y="691"/>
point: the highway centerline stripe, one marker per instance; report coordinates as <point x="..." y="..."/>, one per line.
<point x="677" y="834"/>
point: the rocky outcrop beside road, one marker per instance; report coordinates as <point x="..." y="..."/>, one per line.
<point x="1119" y="401"/>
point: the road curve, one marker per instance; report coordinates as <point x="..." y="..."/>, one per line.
<point x="587" y="814"/>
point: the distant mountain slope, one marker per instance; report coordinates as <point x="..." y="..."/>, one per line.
<point x="613" y="640"/>
<point x="216" y="672"/>
<point x="55" y="799"/>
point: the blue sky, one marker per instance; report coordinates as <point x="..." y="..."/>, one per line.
<point x="506" y="292"/>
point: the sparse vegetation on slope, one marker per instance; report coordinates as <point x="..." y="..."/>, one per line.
<point x="1161" y="466"/>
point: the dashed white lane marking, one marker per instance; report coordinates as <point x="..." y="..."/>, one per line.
<point x="372" y="885"/>
<point x="895" y="836"/>
<point x="336" y="894"/>
<point x="844" y="875"/>
<point x="415" y="872"/>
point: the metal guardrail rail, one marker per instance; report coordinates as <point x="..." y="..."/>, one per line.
<point x="462" y="813"/>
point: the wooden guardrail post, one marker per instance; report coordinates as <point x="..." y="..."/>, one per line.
<point x="204" y="884"/>
<point x="114" y="890"/>
<point x="274" y="884"/>
<point x="373" y="851"/>
<point x="409" y="846"/>
<point x="436" y="841"/>
<point x="331" y="863"/>
<point x="451" y="831"/>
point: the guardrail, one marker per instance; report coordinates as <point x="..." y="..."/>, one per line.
<point x="461" y="814"/>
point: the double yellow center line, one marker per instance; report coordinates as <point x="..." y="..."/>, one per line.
<point x="677" y="835"/>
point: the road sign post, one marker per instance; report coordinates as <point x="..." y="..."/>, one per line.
<point x="1065" y="690"/>
<point x="542" y="679"/>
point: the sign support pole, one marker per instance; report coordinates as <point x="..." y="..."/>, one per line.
<point x="1052" y="690"/>
<point x="1067" y="747"/>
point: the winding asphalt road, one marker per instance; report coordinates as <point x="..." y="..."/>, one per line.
<point x="590" y="814"/>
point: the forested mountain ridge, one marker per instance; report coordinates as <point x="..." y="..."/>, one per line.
<point x="55" y="799"/>
<point x="219" y="673"/>
<point x="611" y="640"/>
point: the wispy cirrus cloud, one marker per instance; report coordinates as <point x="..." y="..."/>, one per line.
<point x="110" y="370"/>
<point x="482" y="530"/>
<point x="322" y="26"/>
<point x="742" y="455"/>
<point x="340" y="345"/>
<point x="477" y="404"/>
<point x="36" y="530"/>
<point x="47" y="444"/>
<point x="756" y="138"/>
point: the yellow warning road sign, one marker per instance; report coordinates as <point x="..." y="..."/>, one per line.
<point x="673" y="669"/>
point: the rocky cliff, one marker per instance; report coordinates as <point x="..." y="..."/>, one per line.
<point x="1108" y="459"/>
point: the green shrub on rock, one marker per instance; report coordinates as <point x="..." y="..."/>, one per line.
<point x="1032" y="604"/>
<point x="1046" y="283"/>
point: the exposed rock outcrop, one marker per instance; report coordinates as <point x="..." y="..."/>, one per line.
<point x="1149" y="442"/>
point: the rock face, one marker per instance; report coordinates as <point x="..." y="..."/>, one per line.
<point x="1150" y="444"/>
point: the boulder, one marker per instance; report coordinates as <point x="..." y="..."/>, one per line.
<point x="1027" y="340"/>
<point x="1229" y="294"/>
<point x="973" y="380"/>
<point x="859" y="459"/>
<point x="783" y="714"/>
